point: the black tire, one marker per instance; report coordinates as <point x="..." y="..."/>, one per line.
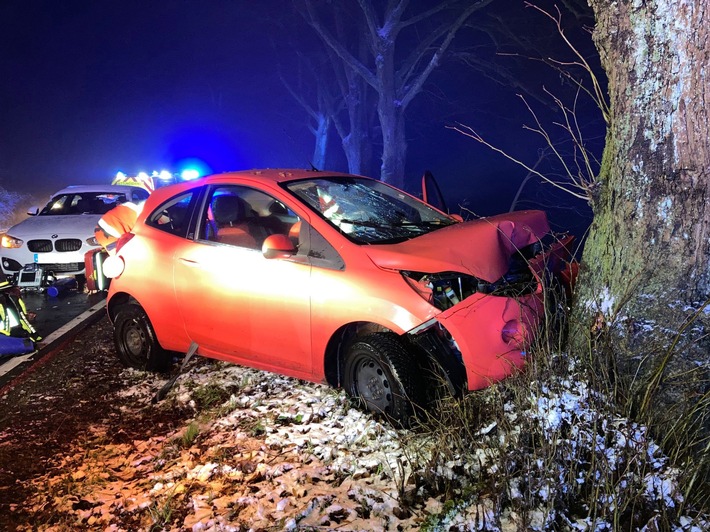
<point x="136" y="343"/>
<point x="379" y="372"/>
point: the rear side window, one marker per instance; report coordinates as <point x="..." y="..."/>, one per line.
<point x="174" y="215"/>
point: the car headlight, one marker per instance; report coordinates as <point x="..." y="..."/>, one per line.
<point x="8" y="241"/>
<point x="92" y="241"/>
<point x="443" y="290"/>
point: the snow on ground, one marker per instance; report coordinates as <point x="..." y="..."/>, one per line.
<point x="281" y="454"/>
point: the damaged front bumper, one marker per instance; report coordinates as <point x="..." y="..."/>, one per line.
<point x="481" y="340"/>
<point x="485" y="337"/>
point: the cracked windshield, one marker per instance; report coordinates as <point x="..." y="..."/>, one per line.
<point x="368" y="211"/>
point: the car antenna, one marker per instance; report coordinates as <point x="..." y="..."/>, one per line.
<point x="313" y="168"/>
<point x="166" y="387"/>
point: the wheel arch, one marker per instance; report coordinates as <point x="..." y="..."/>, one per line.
<point x="118" y="300"/>
<point x="338" y="344"/>
<point x="431" y="350"/>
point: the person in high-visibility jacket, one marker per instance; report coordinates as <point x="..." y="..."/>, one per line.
<point x="14" y="318"/>
<point x="115" y="223"/>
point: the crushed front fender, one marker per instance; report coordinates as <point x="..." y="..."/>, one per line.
<point x="490" y="335"/>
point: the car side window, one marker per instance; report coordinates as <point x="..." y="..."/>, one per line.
<point x="244" y="217"/>
<point x="173" y="216"/>
<point x="319" y="251"/>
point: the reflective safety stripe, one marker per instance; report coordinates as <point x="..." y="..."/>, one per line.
<point x="12" y="314"/>
<point x="5" y="322"/>
<point x="116" y="222"/>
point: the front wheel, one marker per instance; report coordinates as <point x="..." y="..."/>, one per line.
<point x="136" y="343"/>
<point x="383" y="375"/>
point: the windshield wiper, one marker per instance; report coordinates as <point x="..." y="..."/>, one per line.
<point x="430" y="223"/>
<point x="419" y="225"/>
<point x="364" y="223"/>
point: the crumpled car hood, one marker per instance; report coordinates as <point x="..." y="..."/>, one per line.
<point x="481" y="248"/>
<point x="69" y="225"/>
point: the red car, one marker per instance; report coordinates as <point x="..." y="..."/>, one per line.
<point x="331" y="278"/>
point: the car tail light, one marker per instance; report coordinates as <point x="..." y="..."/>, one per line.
<point x="123" y="240"/>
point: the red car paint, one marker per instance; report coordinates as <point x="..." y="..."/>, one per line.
<point x="296" y="314"/>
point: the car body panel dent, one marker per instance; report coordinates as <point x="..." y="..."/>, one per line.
<point x="481" y="248"/>
<point x="486" y="355"/>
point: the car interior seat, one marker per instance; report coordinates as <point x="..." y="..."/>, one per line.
<point x="229" y="215"/>
<point x="83" y="205"/>
<point x="278" y="220"/>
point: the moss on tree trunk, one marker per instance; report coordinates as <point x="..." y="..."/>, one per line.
<point x="646" y="266"/>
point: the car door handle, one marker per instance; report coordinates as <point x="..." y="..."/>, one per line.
<point x="190" y="262"/>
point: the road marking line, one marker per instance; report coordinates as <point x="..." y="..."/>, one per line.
<point x="11" y="364"/>
<point x="71" y="324"/>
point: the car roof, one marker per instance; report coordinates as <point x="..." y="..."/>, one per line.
<point x="271" y="176"/>
<point x="78" y="189"/>
<point x="275" y="175"/>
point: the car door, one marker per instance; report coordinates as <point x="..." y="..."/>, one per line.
<point x="431" y="193"/>
<point x="235" y="302"/>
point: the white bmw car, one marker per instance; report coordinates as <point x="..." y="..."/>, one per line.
<point x="58" y="236"/>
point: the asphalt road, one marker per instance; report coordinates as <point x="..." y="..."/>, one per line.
<point x="57" y="319"/>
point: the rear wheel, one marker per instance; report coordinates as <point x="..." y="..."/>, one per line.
<point x="383" y="375"/>
<point x="136" y="343"/>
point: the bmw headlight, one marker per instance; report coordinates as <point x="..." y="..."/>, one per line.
<point x="9" y="241"/>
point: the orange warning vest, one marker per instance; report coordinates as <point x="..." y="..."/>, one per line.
<point x="115" y="223"/>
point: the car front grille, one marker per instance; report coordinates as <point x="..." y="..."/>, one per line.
<point x="66" y="267"/>
<point x="39" y="246"/>
<point x="61" y="245"/>
<point x="67" y="244"/>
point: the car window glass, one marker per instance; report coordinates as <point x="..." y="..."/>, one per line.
<point x="173" y="216"/>
<point x="82" y="203"/>
<point x="244" y="217"/>
<point x="368" y="211"/>
<point x="319" y="251"/>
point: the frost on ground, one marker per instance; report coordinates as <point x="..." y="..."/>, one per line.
<point x="265" y="452"/>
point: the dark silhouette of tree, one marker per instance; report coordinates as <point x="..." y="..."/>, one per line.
<point x="393" y="48"/>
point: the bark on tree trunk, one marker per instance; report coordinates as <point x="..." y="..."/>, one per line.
<point x="321" y="145"/>
<point x="646" y="264"/>
<point x="394" y="145"/>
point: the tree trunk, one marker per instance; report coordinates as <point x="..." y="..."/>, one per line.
<point x="394" y="145"/>
<point x="646" y="264"/>
<point x="321" y="133"/>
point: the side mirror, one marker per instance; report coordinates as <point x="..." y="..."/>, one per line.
<point x="278" y="247"/>
<point x="33" y="211"/>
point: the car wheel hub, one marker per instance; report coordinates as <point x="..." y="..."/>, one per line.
<point x="375" y="386"/>
<point x="134" y="341"/>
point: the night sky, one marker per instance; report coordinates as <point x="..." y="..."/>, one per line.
<point x="90" y="87"/>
